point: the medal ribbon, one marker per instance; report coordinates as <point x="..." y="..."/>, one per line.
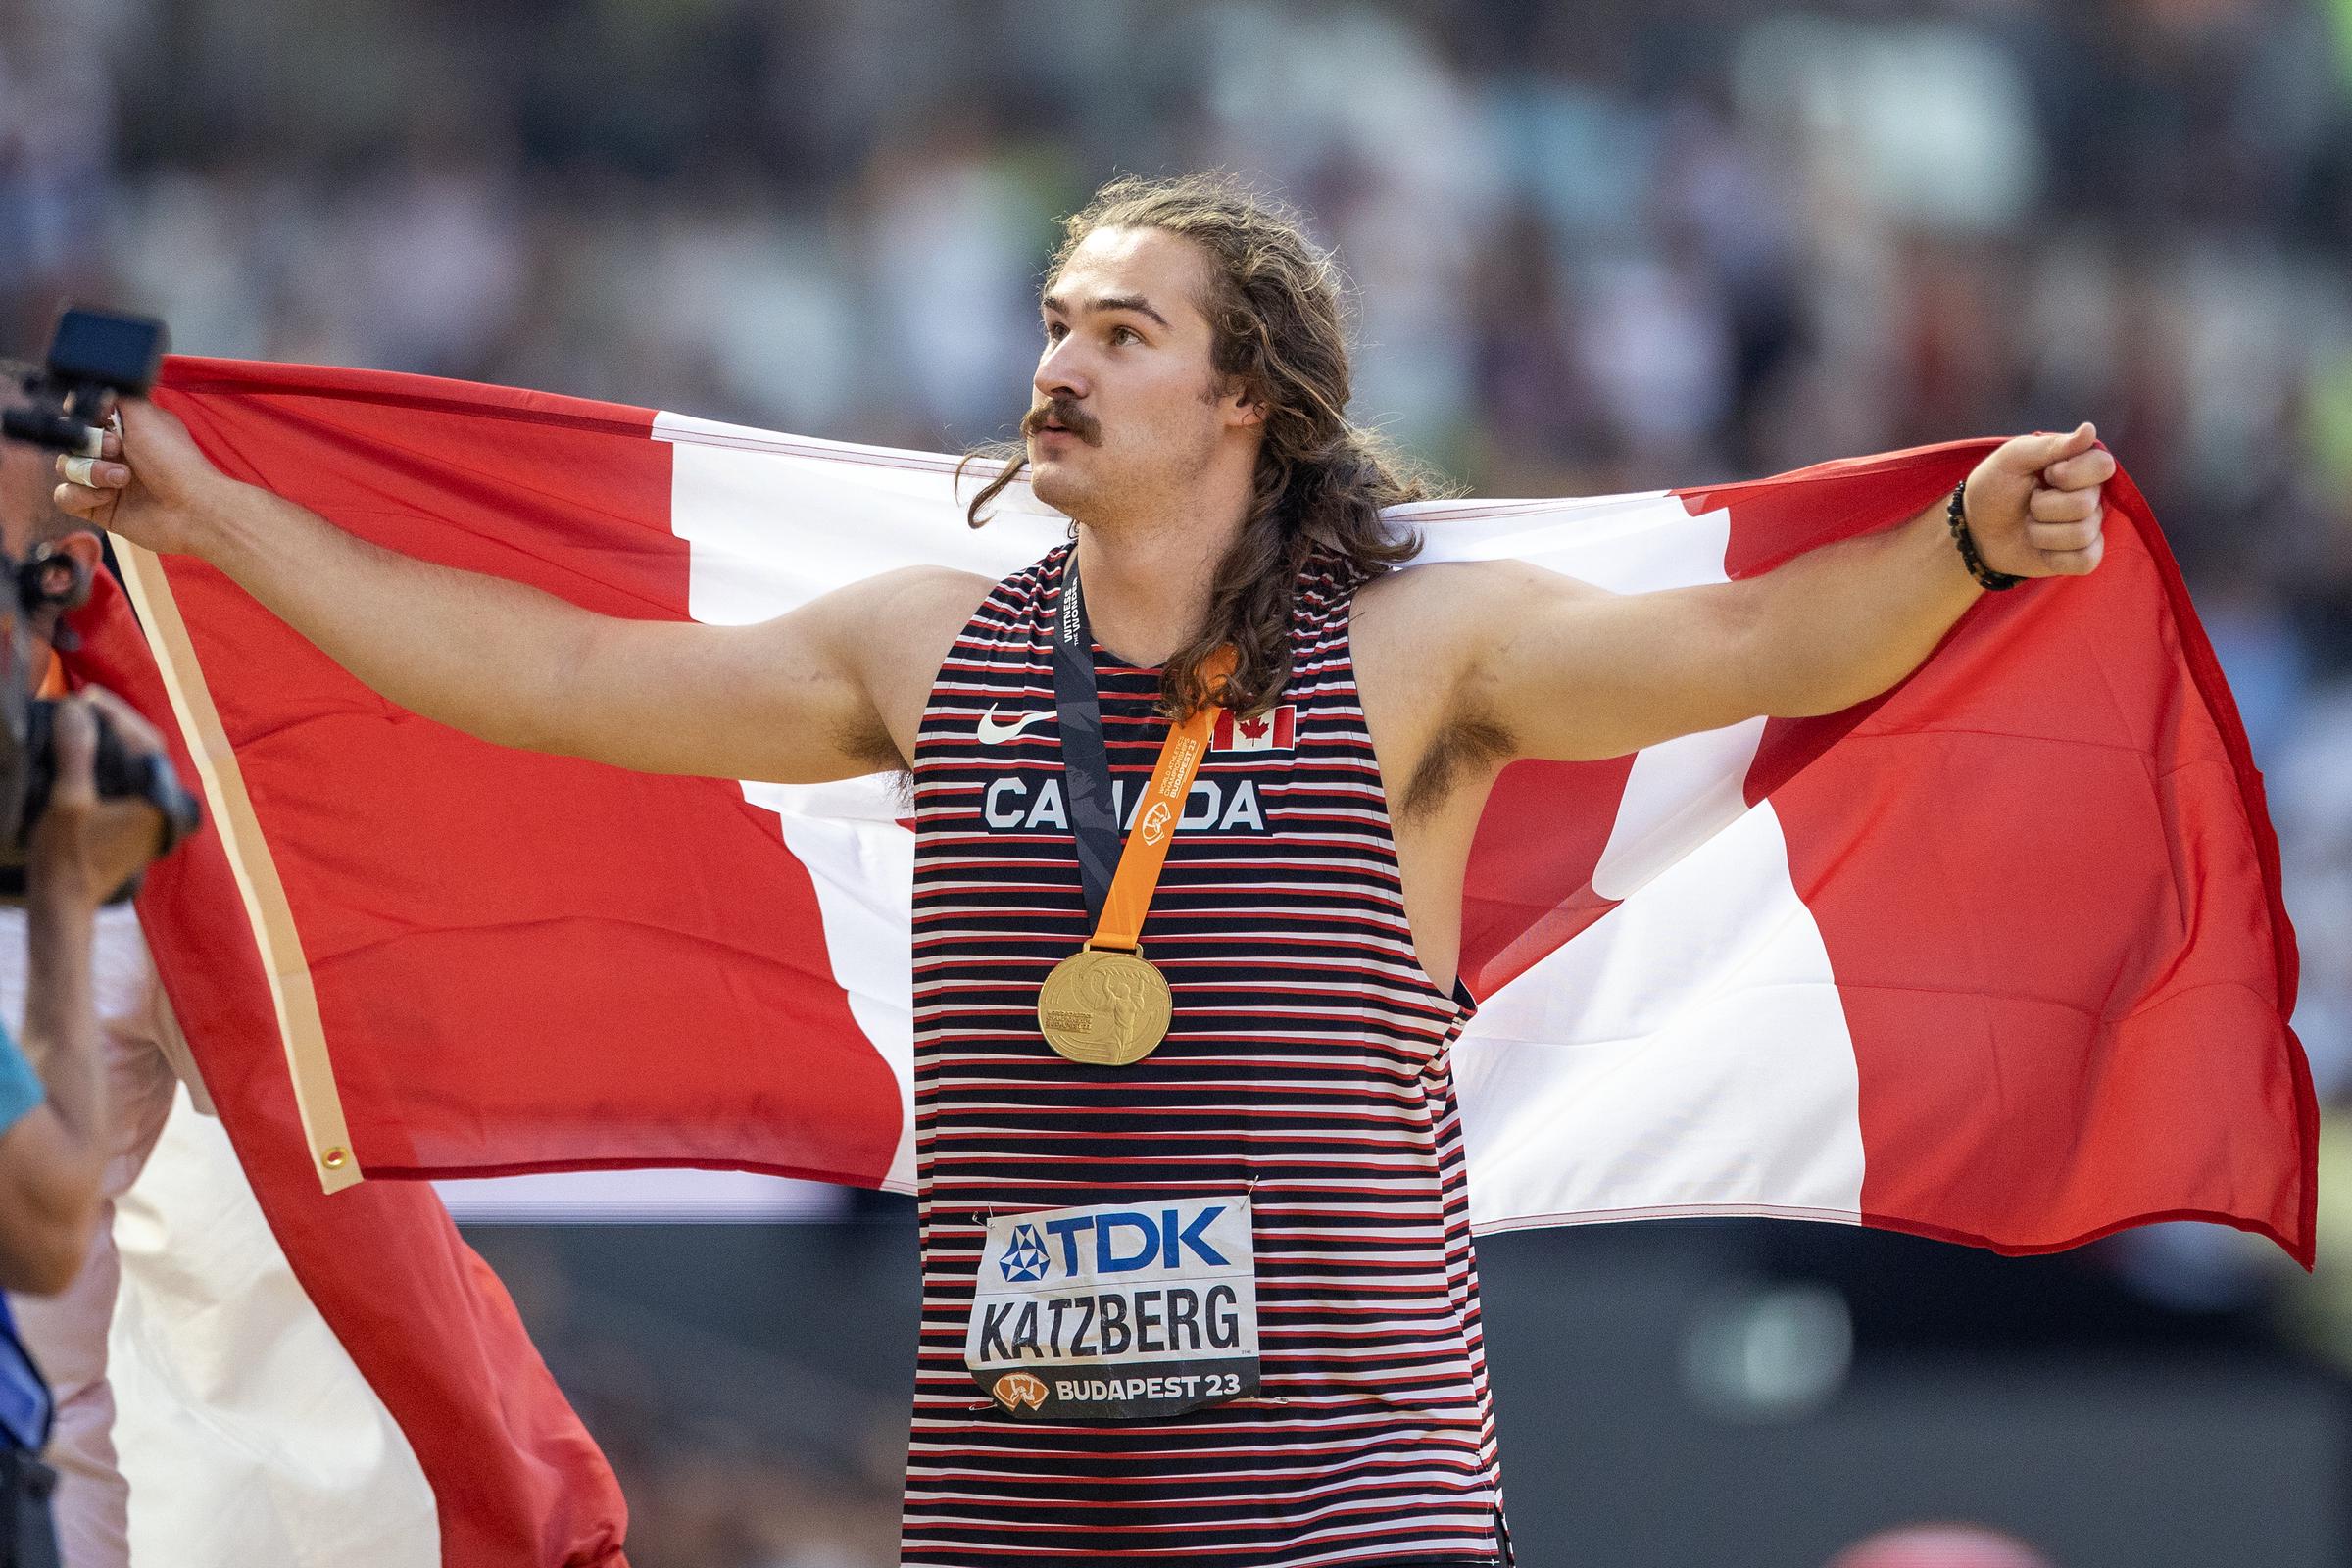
<point x="1118" y="881"/>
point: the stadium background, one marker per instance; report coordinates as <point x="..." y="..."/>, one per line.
<point x="1601" y="246"/>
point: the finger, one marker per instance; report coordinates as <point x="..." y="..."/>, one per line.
<point x="2076" y="563"/>
<point x="74" y="734"/>
<point x="2063" y="506"/>
<point x="111" y="445"/>
<point x="81" y="501"/>
<point x="2061" y="537"/>
<point x="2085" y="472"/>
<point x="138" y="736"/>
<point x="93" y="473"/>
<point x="2045" y="447"/>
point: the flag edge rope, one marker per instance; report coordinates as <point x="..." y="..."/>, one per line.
<point x="318" y="1101"/>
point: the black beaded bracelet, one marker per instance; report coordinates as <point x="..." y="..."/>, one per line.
<point x="1957" y="516"/>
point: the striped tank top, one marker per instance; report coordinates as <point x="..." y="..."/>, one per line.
<point x="1307" y="1066"/>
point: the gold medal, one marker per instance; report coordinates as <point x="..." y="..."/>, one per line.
<point x="1104" y="1007"/>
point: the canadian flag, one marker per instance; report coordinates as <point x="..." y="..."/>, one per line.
<point x="1993" y="957"/>
<point x="296" y="1376"/>
<point x="1270" y="731"/>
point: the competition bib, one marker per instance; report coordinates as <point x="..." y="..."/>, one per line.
<point x="1117" y="1311"/>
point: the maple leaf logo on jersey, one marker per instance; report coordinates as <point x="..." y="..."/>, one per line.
<point x="1274" y="730"/>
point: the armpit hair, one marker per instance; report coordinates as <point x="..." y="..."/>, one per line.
<point x="1469" y="744"/>
<point x="871" y="743"/>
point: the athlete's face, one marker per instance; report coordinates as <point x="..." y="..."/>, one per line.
<point x="1124" y="408"/>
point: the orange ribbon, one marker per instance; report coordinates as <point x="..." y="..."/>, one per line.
<point x="1156" y="818"/>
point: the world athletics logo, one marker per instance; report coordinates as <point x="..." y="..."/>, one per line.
<point x="1024" y="1261"/>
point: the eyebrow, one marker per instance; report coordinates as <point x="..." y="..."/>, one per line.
<point x="1110" y="302"/>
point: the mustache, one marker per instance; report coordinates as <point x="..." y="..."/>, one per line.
<point x="1066" y="414"/>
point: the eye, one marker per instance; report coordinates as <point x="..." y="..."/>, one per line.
<point x="1128" y="333"/>
<point x="1056" y="331"/>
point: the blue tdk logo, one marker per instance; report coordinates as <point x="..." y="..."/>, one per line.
<point x="1128" y="1241"/>
<point x="1025" y="1260"/>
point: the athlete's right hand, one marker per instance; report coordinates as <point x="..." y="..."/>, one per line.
<point x="147" y="484"/>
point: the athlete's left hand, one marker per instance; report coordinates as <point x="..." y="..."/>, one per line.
<point x="2035" y="507"/>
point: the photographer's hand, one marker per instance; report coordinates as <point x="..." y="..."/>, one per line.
<point x="149" y="482"/>
<point x="84" y="847"/>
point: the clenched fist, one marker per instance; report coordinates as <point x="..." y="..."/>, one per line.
<point x="2035" y="507"/>
<point x="148" y="483"/>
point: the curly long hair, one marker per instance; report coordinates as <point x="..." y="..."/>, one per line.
<point x="1277" y="310"/>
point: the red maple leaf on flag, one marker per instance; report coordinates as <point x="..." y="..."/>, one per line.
<point x="1254" y="728"/>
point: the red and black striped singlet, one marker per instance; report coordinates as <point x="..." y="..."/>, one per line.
<point x="1308" y="1063"/>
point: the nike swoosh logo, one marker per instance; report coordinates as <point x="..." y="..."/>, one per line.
<point x="993" y="733"/>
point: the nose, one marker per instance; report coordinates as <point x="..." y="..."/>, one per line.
<point x="1059" y="370"/>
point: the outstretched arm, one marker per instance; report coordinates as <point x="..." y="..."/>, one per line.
<point x="1570" y="673"/>
<point x="824" y="692"/>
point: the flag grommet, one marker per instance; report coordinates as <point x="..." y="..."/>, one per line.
<point x="335" y="1159"/>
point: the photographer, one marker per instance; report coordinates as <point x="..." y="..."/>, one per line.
<point x="53" y="1113"/>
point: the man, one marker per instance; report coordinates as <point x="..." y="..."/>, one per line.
<point x="1211" y="1299"/>
<point x="141" y="1059"/>
<point x="55" y="1132"/>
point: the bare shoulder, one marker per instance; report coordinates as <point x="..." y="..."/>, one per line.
<point x="1440" y="617"/>
<point x="1413" y="637"/>
<point x="1428" y="641"/>
<point x="897" y="628"/>
<point x="1444" y="587"/>
<point x="928" y="593"/>
<point x="830" y="688"/>
<point x="910" y="595"/>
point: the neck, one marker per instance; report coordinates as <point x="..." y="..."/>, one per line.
<point x="1146" y="587"/>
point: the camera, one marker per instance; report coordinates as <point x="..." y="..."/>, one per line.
<point x="93" y="359"/>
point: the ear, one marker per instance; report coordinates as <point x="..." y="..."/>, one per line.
<point x="1242" y="411"/>
<point x="82" y="544"/>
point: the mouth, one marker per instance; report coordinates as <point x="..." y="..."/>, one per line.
<point x="1047" y="423"/>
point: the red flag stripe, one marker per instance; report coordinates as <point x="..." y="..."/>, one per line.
<point x="1968" y="792"/>
<point x="368" y="808"/>
<point x="516" y="1478"/>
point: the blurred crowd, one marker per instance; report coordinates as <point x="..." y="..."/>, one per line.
<point x="1598" y="246"/>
